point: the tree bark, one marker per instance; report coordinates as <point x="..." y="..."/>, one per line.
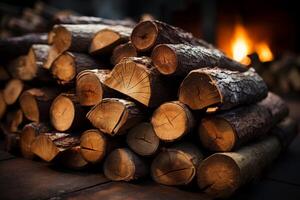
<point x="28" y="135"/>
<point x="121" y="51"/>
<point x="176" y="166"/>
<point x="12" y="91"/>
<point x="106" y="40"/>
<point x="234" y="128"/>
<point x="48" y="146"/>
<point x="65" y="68"/>
<point x="221" y="174"/>
<point x="142" y="139"/>
<point x="172" y="120"/>
<point x="221" y="89"/>
<point x="148" y="34"/>
<point x="180" y="59"/>
<point x="67" y="114"/>
<point x="124" y="165"/>
<point x="114" y="116"/>
<point x="138" y="79"/>
<point x="36" y="102"/>
<point x="73" y="38"/>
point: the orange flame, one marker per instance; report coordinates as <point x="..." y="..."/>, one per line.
<point x="264" y="52"/>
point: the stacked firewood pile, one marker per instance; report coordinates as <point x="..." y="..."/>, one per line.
<point x="144" y="100"/>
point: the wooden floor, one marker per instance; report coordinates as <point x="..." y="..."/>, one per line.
<point x="22" y="179"/>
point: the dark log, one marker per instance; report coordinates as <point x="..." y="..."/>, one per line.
<point x="121" y="51"/>
<point x="15" y="66"/>
<point x="148" y="34"/>
<point x="72" y="159"/>
<point x="177" y="165"/>
<point x="107" y="39"/>
<point x="138" y="79"/>
<point x="28" y="135"/>
<point x="4" y="76"/>
<point x="180" y="59"/>
<point x="124" y="165"/>
<point x="143" y="140"/>
<point x="3" y="105"/>
<point x="234" y="128"/>
<point x="11" y="140"/>
<point x="172" y="120"/>
<point x="65" y="68"/>
<point x="14" y="120"/>
<point x="12" y="91"/>
<point x="221" y="89"/>
<point x="114" y="116"/>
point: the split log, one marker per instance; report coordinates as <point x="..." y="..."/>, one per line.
<point x="14" y="120"/>
<point x="72" y="159"/>
<point x="65" y="68"/>
<point x="16" y="46"/>
<point x="2" y="105"/>
<point x="114" y="116"/>
<point x="138" y="79"/>
<point x="35" y="103"/>
<point x="180" y="59"/>
<point x="124" y="165"/>
<point x="90" y="89"/>
<point x="4" y="76"/>
<point x="221" y="89"/>
<point x="72" y="19"/>
<point x="121" y="51"/>
<point x="67" y="114"/>
<point x="172" y="120"/>
<point x="233" y="128"/>
<point x="107" y="39"/>
<point x="143" y="140"/>
<point x="148" y="34"/>
<point x="28" y="135"/>
<point x="94" y="145"/>
<point x="177" y="165"/>
<point x="48" y="146"/>
<point x="73" y="38"/>
<point x="12" y="91"/>
<point x="221" y="174"/>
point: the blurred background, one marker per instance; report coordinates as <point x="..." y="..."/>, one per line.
<point x="261" y="34"/>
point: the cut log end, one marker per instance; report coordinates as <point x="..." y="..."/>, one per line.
<point x="93" y="145"/>
<point x="198" y="91"/>
<point x="29" y="106"/>
<point x="2" y="105"/>
<point x="144" y="35"/>
<point x="62" y="113"/>
<point x="63" y="68"/>
<point x="142" y="139"/>
<point x="171" y="121"/>
<point x="218" y="174"/>
<point x="31" y="67"/>
<point x="164" y="59"/>
<point x="216" y="134"/>
<point x="12" y="91"/>
<point x="122" y="51"/>
<point x="104" y="40"/>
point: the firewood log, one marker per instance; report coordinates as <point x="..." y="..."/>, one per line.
<point x="11" y="140"/>
<point x="35" y="103"/>
<point x="121" y="51"/>
<point x="233" y="128"/>
<point x="73" y="38"/>
<point x="4" y="76"/>
<point x="180" y="59"/>
<point x="142" y="139"/>
<point x="12" y="91"/>
<point x="90" y="89"/>
<point x="148" y="34"/>
<point x="14" y="120"/>
<point x="221" y="174"/>
<point x="94" y="145"/>
<point x="177" y="165"/>
<point x="221" y="89"/>
<point x="138" y="79"/>
<point x="71" y="159"/>
<point x="3" y="105"/>
<point x="107" y="39"/>
<point x="65" y="68"/>
<point x="73" y="19"/>
<point x="16" y="66"/>
<point x="16" y="46"/>
<point x="114" y="116"/>
<point x="48" y="146"/>
<point x="28" y="135"/>
<point x="172" y="120"/>
<point x="124" y="165"/>
<point x="67" y="114"/>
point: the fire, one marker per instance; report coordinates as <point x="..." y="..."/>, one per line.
<point x="264" y="52"/>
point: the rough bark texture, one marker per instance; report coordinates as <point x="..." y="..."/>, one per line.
<point x="114" y="116"/>
<point x="121" y="51"/>
<point x="138" y="79"/>
<point x="177" y="165"/>
<point x="124" y="165"/>
<point x="180" y="59"/>
<point x="221" y="89"/>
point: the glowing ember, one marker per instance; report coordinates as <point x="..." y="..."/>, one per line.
<point x="264" y="52"/>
